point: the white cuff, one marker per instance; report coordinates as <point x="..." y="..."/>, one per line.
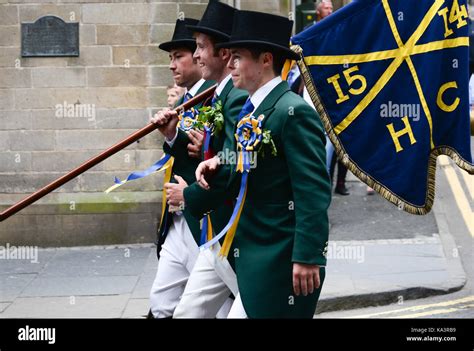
<point x="171" y="142"/>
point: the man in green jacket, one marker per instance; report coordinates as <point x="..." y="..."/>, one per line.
<point x="283" y="230"/>
<point x="179" y="233"/>
<point x="212" y="280"/>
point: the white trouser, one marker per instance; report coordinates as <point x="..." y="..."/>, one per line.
<point x="237" y="310"/>
<point x="209" y="287"/>
<point x="177" y="258"/>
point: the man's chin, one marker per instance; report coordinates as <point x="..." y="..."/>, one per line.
<point x="238" y="85"/>
<point x="206" y="75"/>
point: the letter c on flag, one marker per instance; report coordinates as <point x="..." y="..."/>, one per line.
<point x="439" y="99"/>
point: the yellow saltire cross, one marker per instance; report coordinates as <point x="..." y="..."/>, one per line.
<point x="400" y="55"/>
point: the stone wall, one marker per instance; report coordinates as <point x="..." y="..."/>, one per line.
<point x="56" y="113"/>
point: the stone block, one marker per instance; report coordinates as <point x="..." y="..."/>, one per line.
<point x="68" y="13"/>
<point x="11" y="57"/>
<point x="121" y="13"/>
<point x="161" y="33"/>
<point x="161" y="76"/>
<point x="49" y="98"/>
<point x="157" y="97"/>
<point x="92" y="56"/>
<point x="42" y="61"/>
<point x="4" y="141"/>
<point x="6" y="99"/>
<point x="25" y="183"/>
<point x="89" y="139"/>
<point x="9" y="15"/>
<point x="58" y="77"/>
<point x="121" y="118"/>
<point x="60" y="161"/>
<point x="192" y="10"/>
<point x="165" y="13"/>
<point x="58" y="120"/>
<point x="10" y="36"/>
<point x="122" y="34"/>
<point x="87" y="35"/>
<point x="15" y="161"/>
<point x="15" y="120"/>
<point x="117" y="76"/>
<point x="29" y="140"/>
<point x="15" y="78"/>
<point x="139" y="55"/>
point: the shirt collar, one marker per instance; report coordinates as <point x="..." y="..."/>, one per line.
<point x="193" y="91"/>
<point x="222" y="84"/>
<point x="263" y="91"/>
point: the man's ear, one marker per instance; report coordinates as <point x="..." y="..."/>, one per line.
<point x="224" y="54"/>
<point x="267" y="59"/>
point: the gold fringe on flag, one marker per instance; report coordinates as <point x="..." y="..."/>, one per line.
<point x="358" y="172"/>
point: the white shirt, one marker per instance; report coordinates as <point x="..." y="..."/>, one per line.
<point x="222" y="84"/>
<point x="262" y="92"/>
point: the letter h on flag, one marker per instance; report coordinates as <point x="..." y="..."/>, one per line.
<point x="389" y="79"/>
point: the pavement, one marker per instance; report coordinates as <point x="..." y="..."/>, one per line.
<point x="377" y="255"/>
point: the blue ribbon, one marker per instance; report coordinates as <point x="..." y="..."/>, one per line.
<point x="137" y="175"/>
<point x="204" y="230"/>
<point x="204" y="220"/>
<point x="214" y="240"/>
<point x="208" y="138"/>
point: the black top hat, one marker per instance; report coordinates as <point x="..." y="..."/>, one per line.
<point x="182" y="37"/>
<point x="216" y="21"/>
<point x="263" y="31"/>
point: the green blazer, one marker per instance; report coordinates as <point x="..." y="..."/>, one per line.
<point x="232" y="101"/>
<point x="284" y="219"/>
<point x="184" y="166"/>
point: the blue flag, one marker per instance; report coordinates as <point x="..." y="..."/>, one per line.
<point x="389" y="79"/>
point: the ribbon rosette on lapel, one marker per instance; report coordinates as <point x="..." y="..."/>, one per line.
<point x="248" y="135"/>
<point x="187" y="119"/>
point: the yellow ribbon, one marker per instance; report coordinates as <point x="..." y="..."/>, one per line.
<point x="169" y="170"/>
<point x="167" y="165"/>
<point x="229" y="238"/>
<point x="287" y="68"/>
<point x="209" y="228"/>
<point x="240" y="161"/>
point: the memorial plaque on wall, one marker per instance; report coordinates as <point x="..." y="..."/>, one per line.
<point x="49" y="36"/>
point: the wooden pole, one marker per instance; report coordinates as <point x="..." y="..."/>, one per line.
<point x="99" y="158"/>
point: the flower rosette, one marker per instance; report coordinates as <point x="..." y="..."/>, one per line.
<point x="188" y="119"/>
<point x="248" y="136"/>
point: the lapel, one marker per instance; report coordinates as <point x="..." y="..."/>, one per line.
<point x="207" y="84"/>
<point x="180" y="101"/>
<point x="225" y="92"/>
<point x="268" y="104"/>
